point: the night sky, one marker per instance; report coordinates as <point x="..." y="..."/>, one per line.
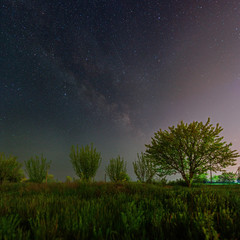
<point x="113" y="72"/>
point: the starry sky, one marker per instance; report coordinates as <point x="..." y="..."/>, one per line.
<point x="114" y="72"/>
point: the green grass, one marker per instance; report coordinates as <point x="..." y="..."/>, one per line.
<point x="118" y="211"/>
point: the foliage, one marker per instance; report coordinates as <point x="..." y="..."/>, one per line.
<point x="144" y="168"/>
<point x="10" y="169"/>
<point x="116" y="169"/>
<point x="216" y="178"/>
<point x="118" y="211"/>
<point x="191" y="149"/>
<point x="201" y="178"/>
<point x="85" y="161"/>
<point x="37" y="168"/>
<point x="124" y="177"/>
<point x="227" y="177"/>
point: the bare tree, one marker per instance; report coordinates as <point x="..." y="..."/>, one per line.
<point x="144" y="168"/>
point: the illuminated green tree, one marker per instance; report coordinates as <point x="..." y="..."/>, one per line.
<point x="117" y="170"/>
<point x="37" y="169"/>
<point x="215" y="178"/>
<point x="201" y="178"/>
<point x="10" y="169"/>
<point x="191" y="149"/>
<point x="86" y="161"/>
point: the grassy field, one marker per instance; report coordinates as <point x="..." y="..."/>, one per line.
<point x="118" y="211"/>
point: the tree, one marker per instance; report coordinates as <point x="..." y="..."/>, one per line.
<point x="144" y="168"/>
<point x="191" y="149"/>
<point x="117" y="170"/>
<point x="227" y="177"/>
<point x="10" y="169"/>
<point x="85" y="161"/>
<point x="215" y="178"/>
<point x="201" y="178"/>
<point x="37" y="169"/>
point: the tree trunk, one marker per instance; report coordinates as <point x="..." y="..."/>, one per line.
<point x="46" y="176"/>
<point x="211" y="171"/>
<point x="188" y="182"/>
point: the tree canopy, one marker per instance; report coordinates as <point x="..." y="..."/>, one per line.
<point x="191" y="149"/>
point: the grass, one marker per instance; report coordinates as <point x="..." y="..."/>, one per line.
<point x="118" y="211"/>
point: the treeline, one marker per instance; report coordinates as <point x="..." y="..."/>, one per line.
<point x="85" y="162"/>
<point x="224" y="177"/>
<point x="187" y="149"/>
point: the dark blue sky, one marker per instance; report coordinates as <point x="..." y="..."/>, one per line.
<point x="112" y="73"/>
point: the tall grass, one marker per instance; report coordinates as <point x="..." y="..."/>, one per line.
<point x="118" y="211"/>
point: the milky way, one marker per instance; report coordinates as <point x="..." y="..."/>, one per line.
<point x="113" y="73"/>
